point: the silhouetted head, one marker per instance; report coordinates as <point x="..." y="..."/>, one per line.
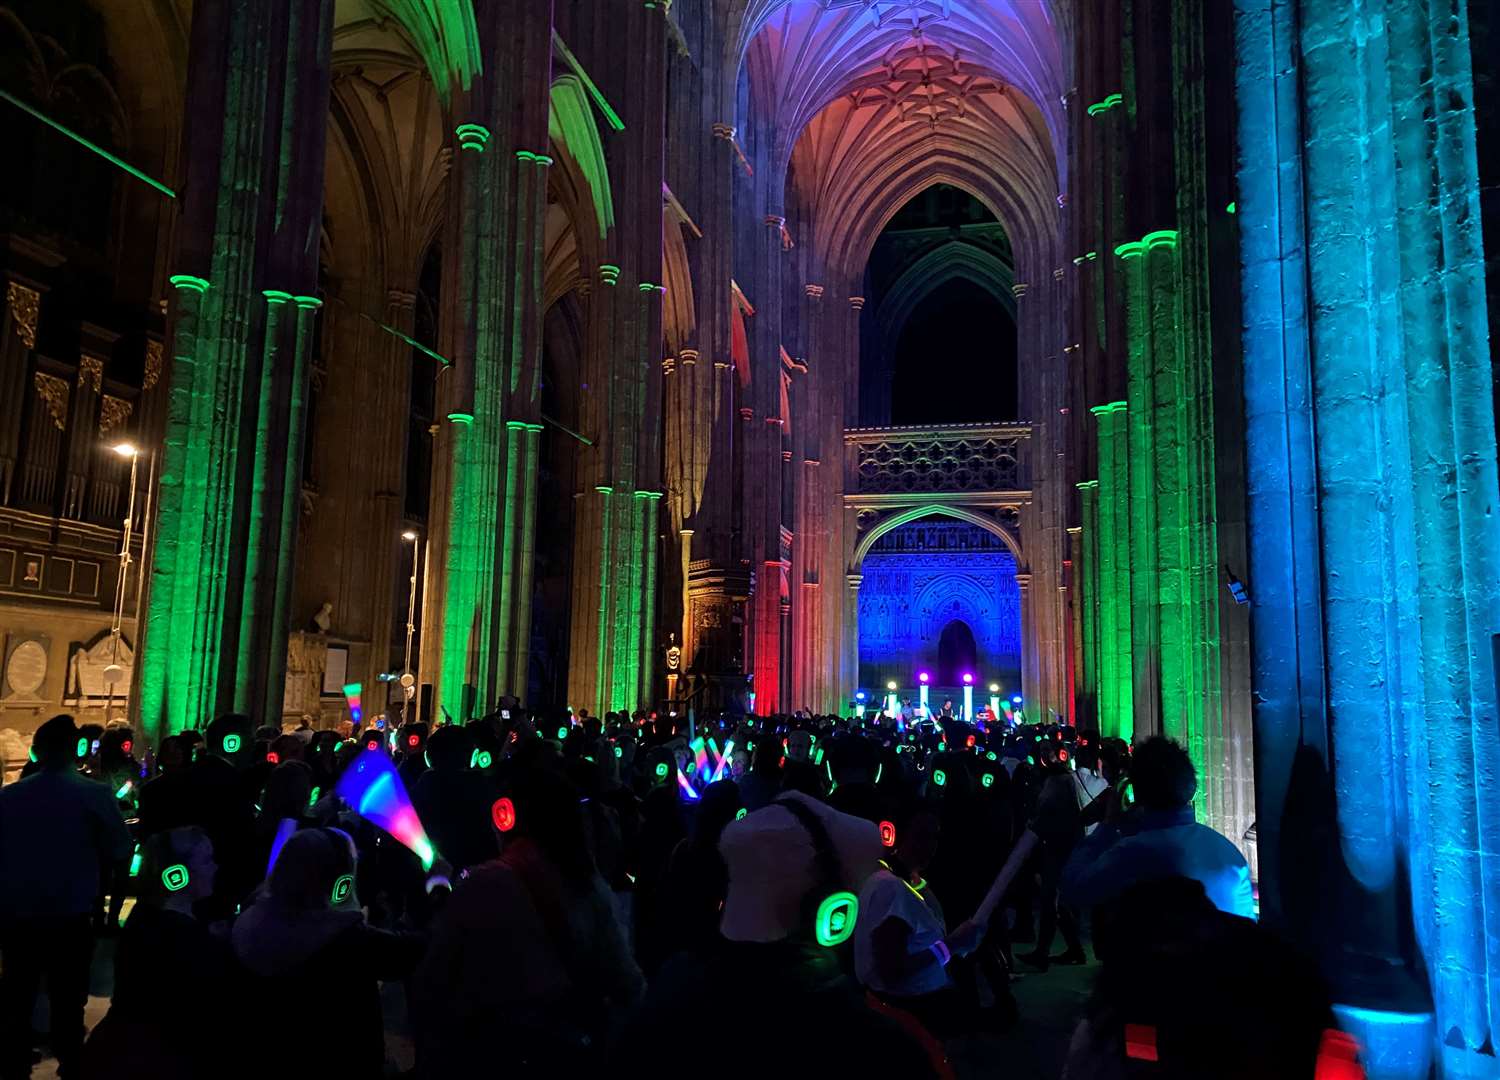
<point x="228" y="737"/>
<point x="55" y="743"/>
<point x="1162" y="774"/>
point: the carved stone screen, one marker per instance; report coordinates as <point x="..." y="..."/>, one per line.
<point x="920" y="578"/>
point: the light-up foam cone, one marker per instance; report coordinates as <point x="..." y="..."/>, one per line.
<point x="372" y="787"/>
<point x="352" y="693"/>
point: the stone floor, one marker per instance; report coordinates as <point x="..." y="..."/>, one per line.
<point x="1050" y="1006"/>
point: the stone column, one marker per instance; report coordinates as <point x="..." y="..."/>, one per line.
<point x="617" y="522"/>
<point x="491" y="329"/>
<point x="849" y="654"/>
<point x="1087" y="558"/>
<point x="808" y="555"/>
<point x="1031" y="659"/>
<point x="258" y="91"/>
<point x="1373" y="540"/>
<point x="1115" y="629"/>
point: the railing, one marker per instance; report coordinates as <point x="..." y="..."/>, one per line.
<point x="955" y="458"/>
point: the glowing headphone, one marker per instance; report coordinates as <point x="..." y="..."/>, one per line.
<point x="1338" y="1052"/>
<point x="175" y="878"/>
<point x="273" y="758"/>
<point x="939" y="777"/>
<point x="232" y="743"/>
<point x="833" y="910"/>
<point x="83" y="747"/>
<point x="503" y="814"/>
<point x="987" y="780"/>
<point x="662" y="768"/>
<point x="887" y="834"/>
<point x="341" y="888"/>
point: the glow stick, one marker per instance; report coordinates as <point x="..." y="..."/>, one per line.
<point x="372" y="787"/>
<point x="1018" y="856"/>
<point x="351" y="695"/>
<point x="687" y="788"/>
<point x="724" y="761"/>
<point x="284" y="830"/>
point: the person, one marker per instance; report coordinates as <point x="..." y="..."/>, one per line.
<point x="452" y="799"/>
<point x="528" y="953"/>
<point x="305" y="938"/>
<point x="57" y="829"/>
<point x="1158" y="840"/>
<point x="901" y="944"/>
<point x="788" y="990"/>
<point x="1056" y="823"/>
<point x="1089" y="781"/>
<point x="287" y="798"/>
<point x="214" y="793"/>
<point x="697" y="879"/>
<point x="172" y="976"/>
<point x="1198" y="993"/>
<point x="762" y="783"/>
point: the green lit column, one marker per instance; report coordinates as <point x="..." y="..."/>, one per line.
<point x="1086" y="596"/>
<point x="259" y="571"/>
<point x="650" y="548"/>
<point x="508" y="541"/>
<point x="1116" y="701"/>
<point x="257" y="100"/>
<point x="526" y="559"/>
<point x="275" y="487"/>
<point x="291" y="501"/>
<point x="1141" y="393"/>
<point x="1171" y="490"/>
<point x="177" y="669"/>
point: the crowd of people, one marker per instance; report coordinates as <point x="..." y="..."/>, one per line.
<point x="635" y="892"/>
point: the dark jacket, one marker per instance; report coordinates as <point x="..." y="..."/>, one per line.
<point x="330" y="959"/>
<point x="173" y="982"/>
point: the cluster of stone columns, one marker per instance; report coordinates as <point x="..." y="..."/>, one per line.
<point x="1370" y="436"/>
<point x="244" y="280"/>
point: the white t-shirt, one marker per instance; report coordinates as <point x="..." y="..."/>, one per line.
<point x="883" y="897"/>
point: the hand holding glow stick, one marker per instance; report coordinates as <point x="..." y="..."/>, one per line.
<point x="373" y="788"/>
<point x="1018" y="856"/>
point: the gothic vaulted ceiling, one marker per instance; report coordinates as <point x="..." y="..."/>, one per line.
<point x="873" y="100"/>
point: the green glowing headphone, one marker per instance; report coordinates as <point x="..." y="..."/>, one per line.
<point x="832" y="911"/>
<point x="175" y="878"/>
<point x="231" y="743"/>
<point x="342" y="887"/>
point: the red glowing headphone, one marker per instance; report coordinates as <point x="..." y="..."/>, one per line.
<point x="503" y="814"/>
<point x="1338" y="1052"/>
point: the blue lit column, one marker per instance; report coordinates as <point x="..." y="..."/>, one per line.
<point x="1372" y="488"/>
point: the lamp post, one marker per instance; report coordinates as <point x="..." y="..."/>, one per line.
<point x="995" y="700"/>
<point x="408" y="680"/>
<point x="890" y="698"/>
<point x="923" y="678"/>
<point x="113" y="671"/>
<point x="969" y="696"/>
